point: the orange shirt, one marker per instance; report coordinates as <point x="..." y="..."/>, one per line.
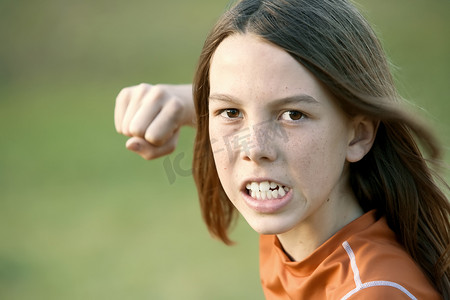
<point x="361" y="261"/>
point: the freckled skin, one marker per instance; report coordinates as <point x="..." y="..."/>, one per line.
<point x="311" y="160"/>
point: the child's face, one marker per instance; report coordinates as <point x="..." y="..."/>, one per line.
<point x="280" y="142"/>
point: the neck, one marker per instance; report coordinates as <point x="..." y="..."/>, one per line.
<point x="329" y="218"/>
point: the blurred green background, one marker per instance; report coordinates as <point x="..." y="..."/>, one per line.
<point x="83" y="218"/>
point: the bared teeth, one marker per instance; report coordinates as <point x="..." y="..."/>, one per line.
<point x="264" y="186"/>
<point x="263" y="195"/>
<point x="266" y="190"/>
<point x="275" y="194"/>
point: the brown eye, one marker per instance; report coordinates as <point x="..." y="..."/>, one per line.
<point x="292" y="115"/>
<point x="231" y="113"/>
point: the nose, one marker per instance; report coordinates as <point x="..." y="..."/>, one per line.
<point x="260" y="145"/>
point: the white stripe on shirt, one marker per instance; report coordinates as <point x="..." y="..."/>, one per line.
<point x="360" y="286"/>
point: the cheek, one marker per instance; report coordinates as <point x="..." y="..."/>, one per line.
<point x="223" y="165"/>
<point x="317" y="159"/>
<point x="306" y="147"/>
<point x="220" y="153"/>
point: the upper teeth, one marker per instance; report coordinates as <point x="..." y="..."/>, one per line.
<point x="266" y="190"/>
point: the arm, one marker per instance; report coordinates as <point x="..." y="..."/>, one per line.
<point x="151" y="115"/>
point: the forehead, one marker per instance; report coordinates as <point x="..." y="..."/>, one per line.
<point x="248" y="66"/>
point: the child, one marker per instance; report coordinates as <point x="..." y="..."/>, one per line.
<point x="300" y="128"/>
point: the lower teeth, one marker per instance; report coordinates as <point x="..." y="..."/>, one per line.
<point x="271" y="194"/>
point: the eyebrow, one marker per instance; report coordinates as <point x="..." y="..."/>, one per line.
<point x="286" y="100"/>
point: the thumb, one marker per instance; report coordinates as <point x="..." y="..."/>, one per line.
<point x="149" y="151"/>
<point x="135" y="144"/>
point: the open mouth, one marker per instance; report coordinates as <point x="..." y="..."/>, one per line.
<point x="266" y="190"/>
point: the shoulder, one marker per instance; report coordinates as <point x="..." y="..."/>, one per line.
<point x="380" y="290"/>
<point x="382" y="269"/>
<point x="359" y="262"/>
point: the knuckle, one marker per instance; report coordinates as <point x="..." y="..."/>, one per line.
<point x="143" y="86"/>
<point x="175" y="105"/>
<point x="154" y="139"/>
<point x="136" y="130"/>
<point x="126" y="132"/>
<point x="158" y="90"/>
<point x="154" y="96"/>
<point x="141" y="90"/>
<point x="174" y="109"/>
<point x="122" y="95"/>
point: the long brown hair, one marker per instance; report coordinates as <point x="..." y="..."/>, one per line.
<point x="333" y="40"/>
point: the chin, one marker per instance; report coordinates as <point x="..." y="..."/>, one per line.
<point x="269" y="226"/>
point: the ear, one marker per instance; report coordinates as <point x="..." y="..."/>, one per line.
<point x="363" y="136"/>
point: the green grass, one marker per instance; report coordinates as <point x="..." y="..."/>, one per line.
<point x="80" y="216"/>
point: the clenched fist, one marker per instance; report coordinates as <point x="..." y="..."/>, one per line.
<point x="151" y="115"/>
